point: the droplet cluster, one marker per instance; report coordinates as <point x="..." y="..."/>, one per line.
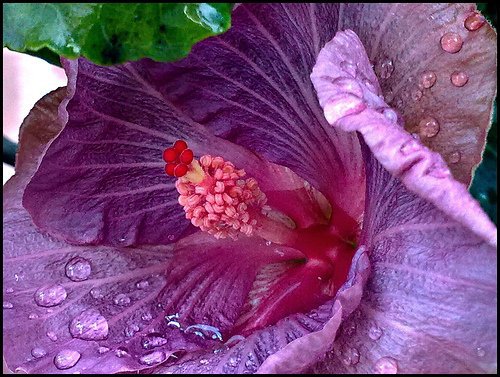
<point x="220" y="204"/>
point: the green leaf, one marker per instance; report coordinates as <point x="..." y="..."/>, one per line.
<point x="112" y="33"/>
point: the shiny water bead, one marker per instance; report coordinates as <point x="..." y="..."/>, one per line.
<point x="386" y="365"/>
<point x="78" y="269"/>
<point x="428" y="79"/>
<point x="455" y="157"/>
<point x="89" y="325"/>
<point x="451" y="42"/>
<point x="50" y="295"/>
<point x="217" y="198"/>
<point x="66" y="359"/>
<point x="474" y="21"/>
<point x="428" y="127"/>
<point x="459" y="78"/>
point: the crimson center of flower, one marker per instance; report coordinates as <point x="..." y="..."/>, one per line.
<point x="219" y="199"/>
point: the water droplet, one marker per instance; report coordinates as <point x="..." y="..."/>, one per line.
<point x="102" y="350"/>
<point x="171" y="237"/>
<point x="480" y="352"/>
<point x="232" y="362"/>
<point x="203" y="361"/>
<point x="348" y="68"/>
<point x="66" y="359"/>
<point x="33" y="316"/>
<point x="350" y="356"/>
<point x="146" y="316"/>
<point x="121" y="351"/>
<point x="459" y="78"/>
<point x="96" y="293"/>
<point x="7" y="305"/>
<point x="428" y="127"/>
<point x="268" y="243"/>
<point x="174" y="324"/>
<point x="153" y="340"/>
<point x="386" y="365"/>
<point x="409" y="147"/>
<point x="416" y="94"/>
<point x="52" y="336"/>
<point x="9" y="290"/>
<point x="50" y="295"/>
<point x="89" y="325"/>
<point x="451" y="42"/>
<point x="375" y="332"/>
<point x="390" y="115"/>
<point x="474" y="21"/>
<point x="455" y="157"/>
<point x="38" y="352"/>
<point x="206" y="331"/>
<point x="78" y="269"/>
<point x="428" y="79"/>
<point x="386" y="68"/>
<point x="130" y="330"/>
<point x="121" y="300"/>
<point x="152" y="358"/>
<point x="142" y="284"/>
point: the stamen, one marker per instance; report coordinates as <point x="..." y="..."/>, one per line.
<point x="215" y="195"/>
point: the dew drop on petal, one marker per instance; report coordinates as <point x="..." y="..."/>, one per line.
<point x="50" y="295"/>
<point x="102" y="350"/>
<point x="451" y="42"/>
<point x="474" y="21"/>
<point x="428" y="79"/>
<point x="146" y="316"/>
<point x="130" y="330"/>
<point x="205" y="331"/>
<point x="153" y="340"/>
<point x="428" y="127"/>
<point x="78" y="269"/>
<point x="33" y="316"/>
<point x="416" y="94"/>
<point x="386" y="68"/>
<point x="7" y="305"/>
<point x="152" y="358"/>
<point x="350" y="356"/>
<point x="455" y="157"/>
<point x="375" y="332"/>
<point x="52" y="336"/>
<point x="96" y="293"/>
<point x="120" y="352"/>
<point x="121" y="300"/>
<point x="66" y="359"/>
<point x="9" y="290"/>
<point x="480" y="352"/>
<point x="38" y="352"/>
<point x="390" y="115"/>
<point x="171" y="237"/>
<point x="459" y="78"/>
<point x="142" y="284"/>
<point x="89" y="325"/>
<point x="386" y="365"/>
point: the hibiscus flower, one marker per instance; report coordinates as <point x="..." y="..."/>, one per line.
<point x="308" y="230"/>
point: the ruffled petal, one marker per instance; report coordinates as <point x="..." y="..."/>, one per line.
<point x="249" y="86"/>
<point x="351" y="102"/>
<point x="430" y="302"/>
<point x="427" y="83"/>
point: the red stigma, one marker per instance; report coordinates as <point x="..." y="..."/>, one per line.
<point x="186" y="156"/>
<point x="177" y="157"/>
<point x="180" y="145"/>
<point x="170" y="155"/>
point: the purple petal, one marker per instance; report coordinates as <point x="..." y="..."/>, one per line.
<point x="357" y="107"/>
<point x="432" y="287"/>
<point x="430" y="302"/>
<point x="249" y="86"/>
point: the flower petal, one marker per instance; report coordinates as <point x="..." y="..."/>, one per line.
<point x="403" y="42"/>
<point x="249" y="86"/>
<point x="356" y="106"/>
<point x="430" y="302"/>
